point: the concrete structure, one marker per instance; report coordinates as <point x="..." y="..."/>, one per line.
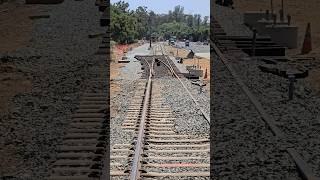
<point x="203" y="55"/>
<point x="196" y="72"/>
<point x="188" y="68"/>
<point x="284" y="35"/>
<point x="182" y="68"/>
<point x="261" y="26"/>
<point x="250" y="18"/>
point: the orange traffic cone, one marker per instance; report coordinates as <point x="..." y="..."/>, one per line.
<point x="306" y="48"/>
<point x="205" y="74"/>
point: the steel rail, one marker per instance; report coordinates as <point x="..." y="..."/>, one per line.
<point x="303" y="168"/>
<point x="147" y="63"/>
<point x="168" y="65"/>
<point x="205" y="115"/>
<point x="171" y="68"/>
<point x="267" y="118"/>
<point x="134" y="175"/>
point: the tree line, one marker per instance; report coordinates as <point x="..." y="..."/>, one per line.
<point x="127" y="26"/>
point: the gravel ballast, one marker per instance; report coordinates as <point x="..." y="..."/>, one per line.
<point x="298" y="119"/>
<point x="242" y="145"/>
<point x="189" y="120"/>
<point x="128" y="80"/>
<point x="120" y="103"/>
<point x="59" y="59"/>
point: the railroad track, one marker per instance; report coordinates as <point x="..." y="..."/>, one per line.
<point x="222" y="52"/>
<point x="158" y="151"/>
<point x="83" y="152"/>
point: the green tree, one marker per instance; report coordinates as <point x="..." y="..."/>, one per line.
<point x="141" y="14"/>
<point x="190" y="21"/>
<point x="122" y="23"/>
<point x="128" y="25"/>
<point x="205" y="20"/>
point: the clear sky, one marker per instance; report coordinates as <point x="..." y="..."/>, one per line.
<point x="163" y="6"/>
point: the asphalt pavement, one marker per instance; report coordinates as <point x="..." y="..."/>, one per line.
<point x="195" y="47"/>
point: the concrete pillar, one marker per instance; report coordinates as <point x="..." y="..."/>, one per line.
<point x="261" y="26"/>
